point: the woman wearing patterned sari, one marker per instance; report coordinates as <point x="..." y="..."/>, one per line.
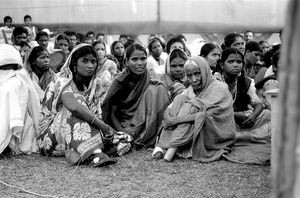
<point x="71" y="123"/>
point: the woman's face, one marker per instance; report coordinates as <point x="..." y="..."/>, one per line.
<point x="42" y="61"/>
<point x="213" y="57"/>
<point x="156" y="49"/>
<point x="137" y="62"/>
<point x="233" y="64"/>
<point x="63" y="45"/>
<point x="265" y="47"/>
<point x="100" y="50"/>
<point x="239" y="44"/>
<point x="86" y="65"/>
<point x="193" y="75"/>
<point x="119" y="49"/>
<point x="176" y="45"/>
<point x="24" y="50"/>
<point x="177" y="68"/>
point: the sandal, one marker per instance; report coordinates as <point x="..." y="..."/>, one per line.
<point x="158" y="155"/>
<point x="101" y="159"/>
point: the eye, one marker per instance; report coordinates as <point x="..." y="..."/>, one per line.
<point x="239" y="61"/>
<point x="144" y="59"/>
<point x="134" y="59"/>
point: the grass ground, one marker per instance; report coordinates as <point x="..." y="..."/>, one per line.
<point x="135" y="175"/>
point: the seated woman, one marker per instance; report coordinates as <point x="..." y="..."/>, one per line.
<point x="211" y="53"/>
<point x="201" y="119"/>
<point x="19" y="105"/>
<point x="174" y="78"/>
<point x="71" y="123"/>
<point x="157" y="59"/>
<point x="37" y="65"/>
<point x="134" y="103"/>
<point x="249" y="113"/>
<point x="62" y="42"/>
<point x="268" y="82"/>
<point x="118" y="50"/>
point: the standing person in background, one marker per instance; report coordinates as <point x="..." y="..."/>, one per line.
<point x="248" y="36"/>
<point x="8" y="24"/>
<point x="118" y="51"/>
<point x="211" y="53"/>
<point x="28" y="23"/>
<point x="157" y="59"/>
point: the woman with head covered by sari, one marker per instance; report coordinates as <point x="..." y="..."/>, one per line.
<point x="174" y="78"/>
<point x="71" y="123"/>
<point x="134" y="103"/>
<point x="37" y="64"/>
<point x="200" y="119"/>
<point x="19" y="105"/>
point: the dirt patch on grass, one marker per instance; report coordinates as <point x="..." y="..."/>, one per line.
<point x="135" y="175"/>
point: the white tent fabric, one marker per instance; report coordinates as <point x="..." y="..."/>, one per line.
<point x="150" y="16"/>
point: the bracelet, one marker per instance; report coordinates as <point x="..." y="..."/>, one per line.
<point x="93" y="119"/>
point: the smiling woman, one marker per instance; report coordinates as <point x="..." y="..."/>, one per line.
<point x="134" y="103"/>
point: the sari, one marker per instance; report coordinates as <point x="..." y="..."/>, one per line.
<point x="174" y="87"/>
<point x="59" y="129"/>
<point x="41" y="83"/>
<point x="19" y="106"/>
<point x="204" y="123"/>
<point x="140" y="110"/>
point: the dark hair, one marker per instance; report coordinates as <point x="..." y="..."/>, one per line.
<point x="19" y="30"/>
<point x="207" y="48"/>
<point x="88" y="33"/>
<point x="248" y="31"/>
<point x="262" y="42"/>
<point x="152" y="41"/>
<point x="100" y="34"/>
<point x="113" y="46"/>
<point x="177" y="53"/>
<point x="230" y="39"/>
<point x="27" y="17"/>
<point x="63" y="37"/>
<point x="123" y="36"/>
<point x="40" y="34"/>
<point x="252" y="46"/>
<point x="131" y="48"/>
<point x="6" y="18"/>
<point x="85" y="50"/>
<point x="275" y="58"/>
<point x="71" y="33"/>
<point x="34" y="54"/>
<point x="226" y="53"/>
<point x="242" y="85"/>
<point x="173" y="40"/>
<point x="98" y="42"/>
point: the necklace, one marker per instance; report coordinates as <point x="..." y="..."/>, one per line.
<point x="233" y="90"/>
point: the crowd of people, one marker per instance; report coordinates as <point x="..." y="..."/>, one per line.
<point x="90" y="101"/>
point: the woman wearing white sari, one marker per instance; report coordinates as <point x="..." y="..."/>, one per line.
<point x="19" y="104"/>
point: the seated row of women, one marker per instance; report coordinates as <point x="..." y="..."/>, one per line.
<point x="187" y="111"/>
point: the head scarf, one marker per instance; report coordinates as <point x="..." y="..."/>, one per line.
<point x="168" y="62"/>
<point x="9" y="55"/>
<point x="206" y="75"/>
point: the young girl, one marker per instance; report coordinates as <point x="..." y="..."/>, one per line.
<point x="250" y="117"/>
<point x="211" y="53"/>
<point x="118" y="51"/>
<point x="37" y="64"/>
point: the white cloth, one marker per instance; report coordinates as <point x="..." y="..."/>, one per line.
<point x="158" y="67"/>
<point x="19" y="105"/>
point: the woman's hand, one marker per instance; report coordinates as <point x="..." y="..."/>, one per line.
<point x="249" y="122"/>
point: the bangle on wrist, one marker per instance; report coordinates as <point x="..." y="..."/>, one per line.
<point x="93" y="120"/>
